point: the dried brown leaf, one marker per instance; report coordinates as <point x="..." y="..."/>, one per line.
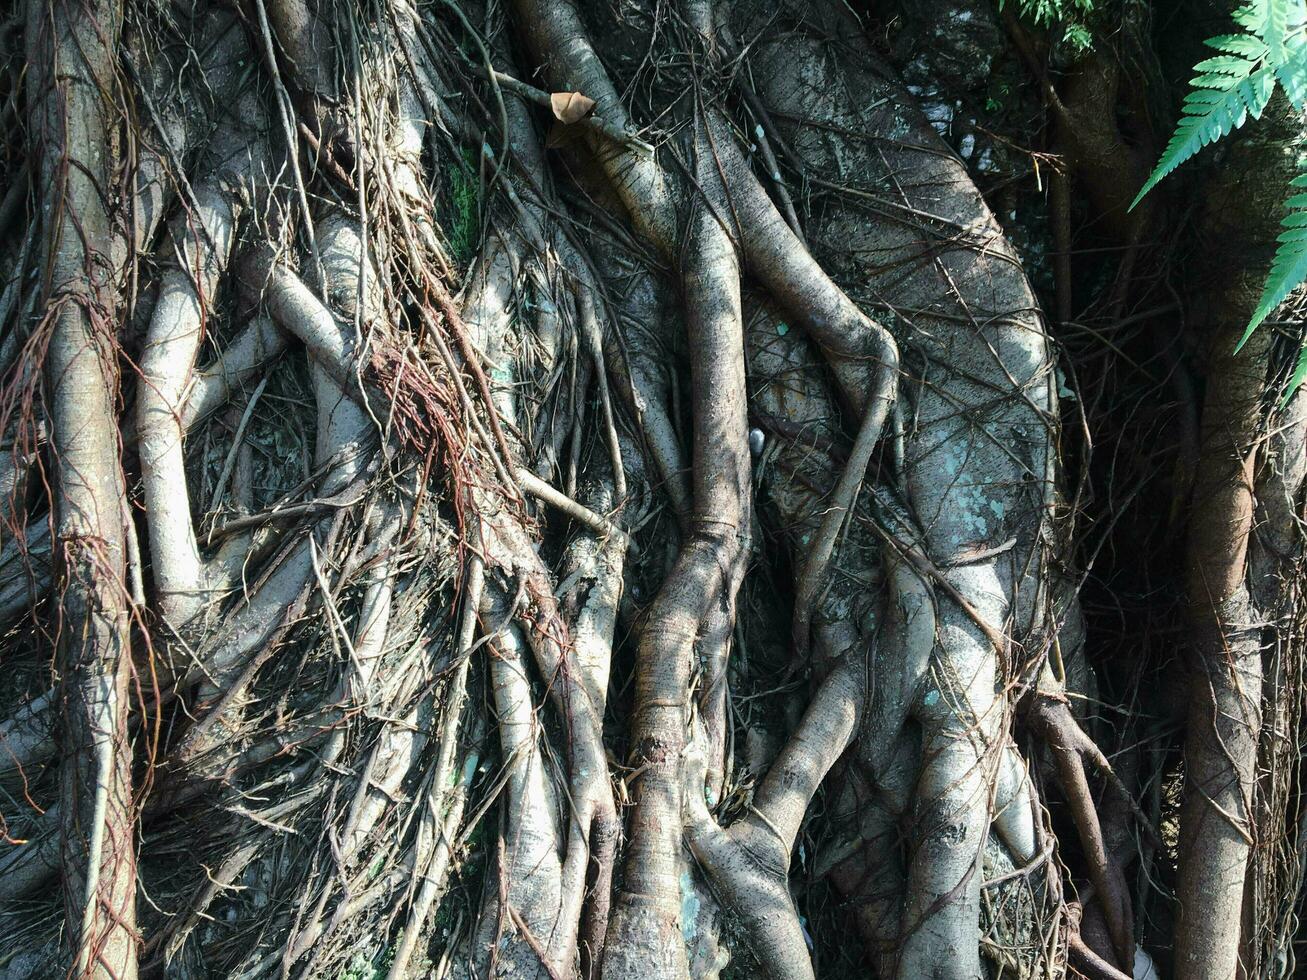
<point x="571" y="107"/>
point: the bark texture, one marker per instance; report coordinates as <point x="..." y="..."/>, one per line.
<point x="589" y="489"/>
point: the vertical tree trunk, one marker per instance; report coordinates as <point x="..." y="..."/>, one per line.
<point x="1224" y="714"/>
<point x="72" y="51"/>
<point x="1218" y="829"/>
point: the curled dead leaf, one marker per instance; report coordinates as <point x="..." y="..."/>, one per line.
<point x="571" y="107"/>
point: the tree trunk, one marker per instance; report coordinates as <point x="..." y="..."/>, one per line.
<point x="610" y="503"/>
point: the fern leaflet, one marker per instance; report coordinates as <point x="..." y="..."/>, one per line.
<point x="1238" y="82"/>
<point x="1228" y="90"/>
<point x="1299" y="373"/>
<point x="1292" y="74"/>
<point x="1289" y="267"/>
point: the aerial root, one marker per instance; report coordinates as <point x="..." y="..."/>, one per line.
<point x="442" y="813"/>
<point x="696" y="601"/>
<point x="1082" y="955"/>
<point x="748" y="862"/>
<point x="1073" y="751"/>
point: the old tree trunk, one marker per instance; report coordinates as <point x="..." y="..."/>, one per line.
<point x="640" y="490"/>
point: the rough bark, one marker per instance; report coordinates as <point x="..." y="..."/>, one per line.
<point x="1226" y="687"/>
<point x="73" y="49"/>
<point x="611" y="505"/>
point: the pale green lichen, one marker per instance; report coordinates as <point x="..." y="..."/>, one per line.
<point x="690" y="905"/>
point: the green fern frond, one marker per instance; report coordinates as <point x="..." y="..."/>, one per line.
<point x="1253" y="16"/>
<point x="1239" y="81"/>
<point x="1229" y="90"/>
<point x="1263" y="18"/>
<point x="1276" y="22"/>
<point x="1299" y="374"/>
<point x="1289" y="267"/>
<point x="1247" y="46"/>
<point x="1292" y="73"/>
